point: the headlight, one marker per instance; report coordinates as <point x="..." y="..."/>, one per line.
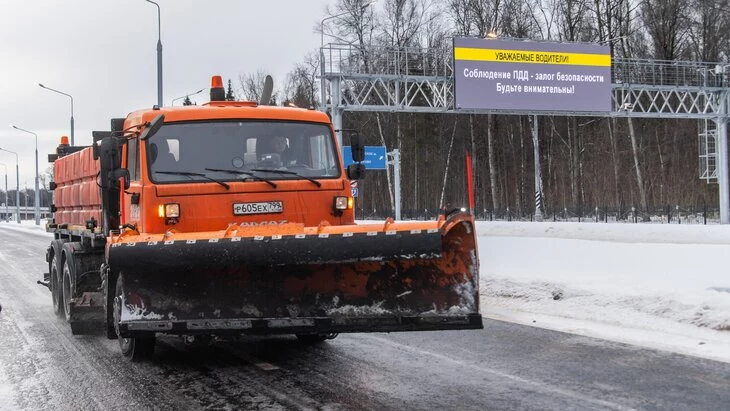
<point x="342" y="203"/>
<point x="171" y="210"/>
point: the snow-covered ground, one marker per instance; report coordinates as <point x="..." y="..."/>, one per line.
<point x="27" y="226"/>
<point x="654" y="285"/>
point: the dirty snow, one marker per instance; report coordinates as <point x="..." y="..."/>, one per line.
<point x="352" y="310"/>
<point x="135" y="313"/>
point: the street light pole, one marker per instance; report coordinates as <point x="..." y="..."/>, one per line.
<point x="72" y="107"/>
<point x="37" y="198"/>
<point x="323" y="95"/>
<point x="7" y="210"/>
<point x="17" y="182"/>
<point x="159" y="54"/>
<point x="187" y="95"/>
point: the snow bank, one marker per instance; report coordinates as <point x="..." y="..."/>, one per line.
<point x="663" y="286"/>
<point x="26" y="226"/>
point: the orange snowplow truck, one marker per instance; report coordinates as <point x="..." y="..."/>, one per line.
<point x="237" y="218"/>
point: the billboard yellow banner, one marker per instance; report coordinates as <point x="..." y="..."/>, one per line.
<point x="535" y="57"/>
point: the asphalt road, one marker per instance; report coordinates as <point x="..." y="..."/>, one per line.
<point x="505" y="366"/>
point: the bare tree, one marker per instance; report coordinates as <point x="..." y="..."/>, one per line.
<point x="574" y="21"/>
<point x="667" y="25"/>
<point x="403" y="21"/>
<point x="545" y="15"/>
<point x="616" y="24"/>
<point x="252" y="86"/>
<point x="486" y="16"/>
<point x="479" y="17"/>
<point x="475" y="17"/>
<point x="517" y="20"/>
<point x="637" y="166"/>
<point x="302" y="83"/>
<point x="709" y="34"/>
<point x="462" y="16"/>
<point x="351" y="22"/>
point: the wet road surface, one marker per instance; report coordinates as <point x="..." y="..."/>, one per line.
<point x="505" y="366"/>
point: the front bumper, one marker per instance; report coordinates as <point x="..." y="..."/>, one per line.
<point x="312" y="325"/>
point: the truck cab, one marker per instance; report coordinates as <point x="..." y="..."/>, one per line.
<point x="233" y="162"/>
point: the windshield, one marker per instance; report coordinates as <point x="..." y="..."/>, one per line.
<point x="241" y="150"/>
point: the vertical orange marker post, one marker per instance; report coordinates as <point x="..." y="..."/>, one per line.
<point x="470" y="182"/>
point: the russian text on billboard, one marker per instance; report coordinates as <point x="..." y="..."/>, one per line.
<point x="531" y="76"/>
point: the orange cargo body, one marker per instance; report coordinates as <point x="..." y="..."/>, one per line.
<point x="77" y="197"/>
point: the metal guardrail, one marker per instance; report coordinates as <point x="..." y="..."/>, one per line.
<point x="381" y="60"/>
<point x="670" y="73"/>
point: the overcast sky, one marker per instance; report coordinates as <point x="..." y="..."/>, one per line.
<point x="103" y="53"/>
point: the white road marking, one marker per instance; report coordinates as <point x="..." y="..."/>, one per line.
<point x="542" y="386"/>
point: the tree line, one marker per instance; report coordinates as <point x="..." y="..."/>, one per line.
<point x="585" y="162"/>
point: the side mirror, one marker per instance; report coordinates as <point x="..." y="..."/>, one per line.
<point x="358" y="148"/>
<point x="153" y="127"/>
<point x="122" y="173"/>
<point x="355" y="171"/>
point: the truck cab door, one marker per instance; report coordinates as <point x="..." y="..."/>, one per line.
<point x="130" y="198"/>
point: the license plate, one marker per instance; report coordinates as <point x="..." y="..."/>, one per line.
<point x="268" y="207"/>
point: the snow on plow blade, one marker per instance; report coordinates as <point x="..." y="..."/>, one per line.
<point x="401" y="277"/>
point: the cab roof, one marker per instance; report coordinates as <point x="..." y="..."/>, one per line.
<point x="223" y="110"/>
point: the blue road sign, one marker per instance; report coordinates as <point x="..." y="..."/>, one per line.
<point x="375" y="157"/>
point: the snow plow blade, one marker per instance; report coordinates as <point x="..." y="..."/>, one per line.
<point x="331" y="279"/>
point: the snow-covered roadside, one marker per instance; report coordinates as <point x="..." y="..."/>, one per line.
<point x="660" y="286"/>
<point x="27" y="226"/>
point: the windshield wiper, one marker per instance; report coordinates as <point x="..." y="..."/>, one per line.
<point x="191" y="174"/>
<point x="291" y="173"/>
<point x="246" y="173"/>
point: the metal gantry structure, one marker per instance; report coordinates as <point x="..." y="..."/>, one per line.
<point x="421" y="80"/>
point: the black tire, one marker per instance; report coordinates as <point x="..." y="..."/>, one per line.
<point x="56" y="269"/>
<point x="109" y="294"/>
<point x="67" y="287"/>
<point x="133" y="348"/>
<point x="315" y="338"/>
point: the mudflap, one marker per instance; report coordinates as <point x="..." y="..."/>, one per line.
<point x="353" y="282"/>
<point x="88" y="314"/>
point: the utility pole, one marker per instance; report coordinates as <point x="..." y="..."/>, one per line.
<point x="395" y="162"/>
<point x="538" y="175"/>
<point x="159" y="54"/>
<point x="37" y="193"/>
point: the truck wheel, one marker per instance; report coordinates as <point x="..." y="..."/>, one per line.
<point x="56" y="270"/>
<point x="110" y="311"/>
<point x="67" y="287"/>
<point x="133" y="348"/>
<point x="315" y="338"/>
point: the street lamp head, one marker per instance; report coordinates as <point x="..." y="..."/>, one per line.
<point x="41" y="85"/>
<point x="24" y="130"/>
